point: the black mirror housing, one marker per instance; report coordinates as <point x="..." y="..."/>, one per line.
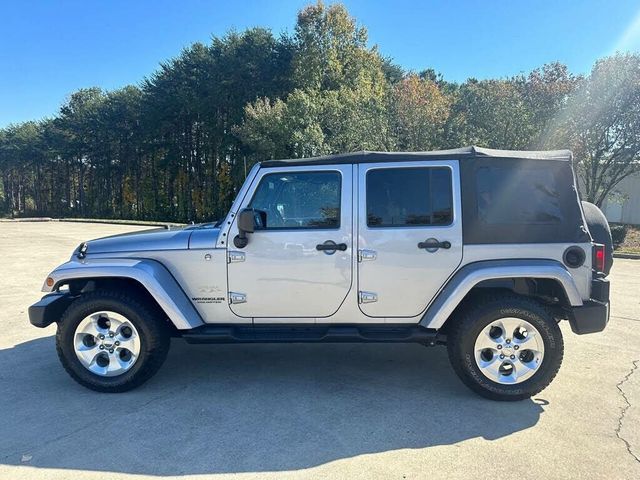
<point x="246" y="220"/>
<point x="246" y="224"/>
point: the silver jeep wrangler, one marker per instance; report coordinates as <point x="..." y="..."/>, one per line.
<point x="483" y="251"/>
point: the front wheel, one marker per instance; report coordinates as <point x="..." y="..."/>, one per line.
<point x="110" y="341"/>
<point x="505" y="347"/>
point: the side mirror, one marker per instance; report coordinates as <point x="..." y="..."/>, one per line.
<point x="246" y="220"/>
<point x="246" y="224"/>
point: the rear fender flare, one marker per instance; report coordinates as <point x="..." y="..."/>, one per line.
<point x="461" y="283"/>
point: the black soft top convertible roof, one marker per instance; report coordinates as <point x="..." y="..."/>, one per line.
<point x="491" y="183"/>
<point x="464" y="153"/>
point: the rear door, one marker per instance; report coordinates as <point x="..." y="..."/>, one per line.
<point x="289" y="269"/>
<point x="409" y="234"/>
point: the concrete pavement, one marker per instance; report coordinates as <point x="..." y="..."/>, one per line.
<point x="305" y="411"/>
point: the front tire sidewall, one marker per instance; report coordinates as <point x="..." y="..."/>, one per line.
<point x="462" y="352"/>
<point x="153" y="344"/>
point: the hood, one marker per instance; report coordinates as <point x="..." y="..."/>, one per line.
<point x="154" y="239"/>
<point x="170" y="238"/>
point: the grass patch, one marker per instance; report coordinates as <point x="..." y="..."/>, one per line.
<point x="631" y="242"/>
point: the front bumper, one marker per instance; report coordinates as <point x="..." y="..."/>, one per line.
<point x="49" y="309"/>
<point x="593" y="315"/>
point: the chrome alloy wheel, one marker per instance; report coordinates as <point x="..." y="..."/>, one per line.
<point x="509" y="350"/>
<point x="106" y="343"/>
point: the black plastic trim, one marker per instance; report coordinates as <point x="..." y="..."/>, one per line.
<point x="591" y="317"/>
<point x="313" y="333"/>
<point x="600" y="289"/>
<point x="49" y="309"/>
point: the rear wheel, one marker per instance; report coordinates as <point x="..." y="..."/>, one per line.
<point x="111" y="342"/>
<point x="505" y="347"/>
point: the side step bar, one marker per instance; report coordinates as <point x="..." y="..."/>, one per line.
<point x="279" y="333"/>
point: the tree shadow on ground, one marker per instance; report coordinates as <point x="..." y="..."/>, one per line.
<point x="244" y="408"/>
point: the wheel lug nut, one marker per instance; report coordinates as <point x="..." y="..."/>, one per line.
<point x="111" y="351"/>
<point x="516" y="347"/>
<point x="101" y="347"/>
<point x="101" y="337"/>
<point x="512" y="357"/>
<point x="111" y="334"/>
<point x="117" y="343"/>
<point x="508" y="340"/>
<point x="501" y="356"/>
<point x="499" y="347"/>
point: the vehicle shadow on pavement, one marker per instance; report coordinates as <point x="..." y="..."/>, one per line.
<point x="244" y="408"/>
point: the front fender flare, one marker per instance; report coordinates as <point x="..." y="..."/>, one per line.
<point x="152" y="275"/>
<point x="472" y="274"/>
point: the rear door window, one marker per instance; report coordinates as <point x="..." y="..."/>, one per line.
<point x="409" y="197"/>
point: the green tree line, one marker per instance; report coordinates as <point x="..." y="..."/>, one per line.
<point x="177" y="146"/>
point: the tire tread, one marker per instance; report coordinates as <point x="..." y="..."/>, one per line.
<point x="158" y="341"/>
<point x="466" y="318"/>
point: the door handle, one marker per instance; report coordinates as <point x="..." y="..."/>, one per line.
<point x="330" y="245"/>
<point x="432" y="244"/>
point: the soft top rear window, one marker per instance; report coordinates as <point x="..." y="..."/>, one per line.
<point x="526" y="195"/>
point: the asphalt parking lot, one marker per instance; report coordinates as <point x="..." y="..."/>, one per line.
<point x="305" y="411"/>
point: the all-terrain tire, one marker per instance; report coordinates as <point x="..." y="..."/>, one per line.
<point x="476" y="315"/>
<point x="151" y="326"/>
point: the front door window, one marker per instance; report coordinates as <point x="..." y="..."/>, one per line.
<point x="299" y="200"/>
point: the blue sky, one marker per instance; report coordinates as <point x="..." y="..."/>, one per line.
<point x="50" y="48"/>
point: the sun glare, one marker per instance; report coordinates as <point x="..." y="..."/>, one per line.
<point x="630" y="39"/>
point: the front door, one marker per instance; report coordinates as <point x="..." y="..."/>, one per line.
<point x="289" y="269"/>
<point x="409" y="234"/>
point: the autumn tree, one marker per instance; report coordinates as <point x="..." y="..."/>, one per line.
<point x="600" y="122"/>
<point x="419" y="112"/>
<point x="491" y="113"/>
<point x="546" y="91"/>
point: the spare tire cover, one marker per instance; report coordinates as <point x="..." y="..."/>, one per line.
<point x="600" y="231"/>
